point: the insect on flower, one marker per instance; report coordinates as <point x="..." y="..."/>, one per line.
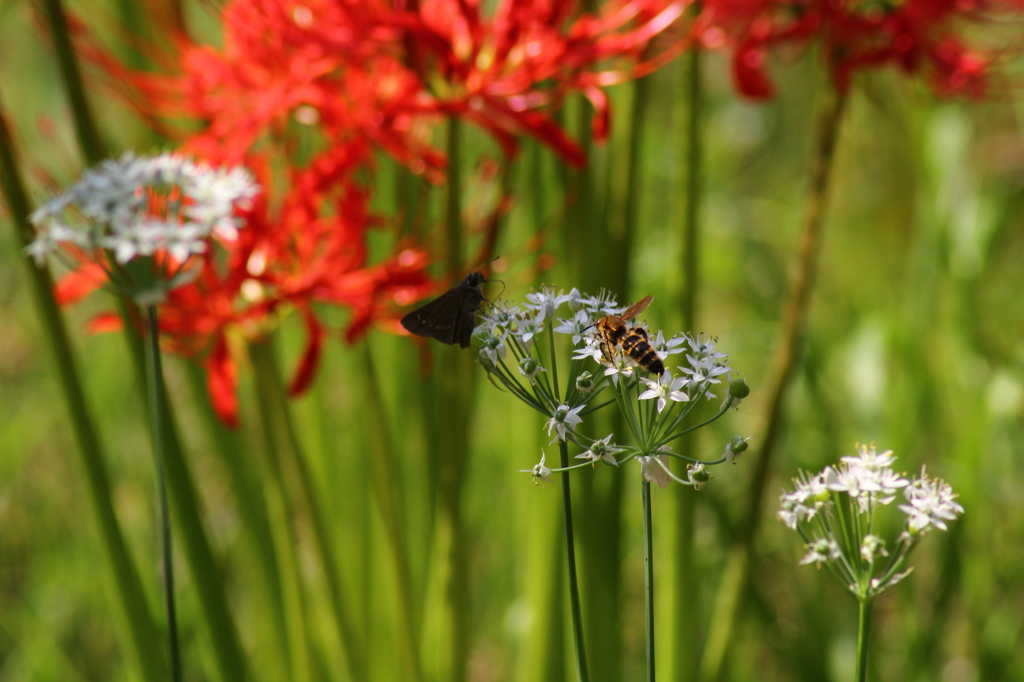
<point x="613" y="332"/>
<point x="449" y="317"/>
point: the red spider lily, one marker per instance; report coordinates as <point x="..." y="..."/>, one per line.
<point x="914" y="35"/>
<point x="369" y="71"/>
<point x="500" y="71"/>
<point x="301" y="255"/>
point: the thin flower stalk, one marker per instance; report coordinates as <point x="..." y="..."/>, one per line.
<point x="155" y="396"/>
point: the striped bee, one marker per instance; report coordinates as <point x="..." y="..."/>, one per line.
<point x="613" y="332"/>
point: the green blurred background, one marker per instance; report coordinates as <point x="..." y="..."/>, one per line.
<point x="915" y="342"/>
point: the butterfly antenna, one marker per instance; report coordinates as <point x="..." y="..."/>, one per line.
<point x="502" y="283"/>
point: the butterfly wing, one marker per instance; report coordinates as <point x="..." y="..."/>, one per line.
<point x="471" y="300"/>
<point x="451" y="316"/>
<point x="440" y="319"/>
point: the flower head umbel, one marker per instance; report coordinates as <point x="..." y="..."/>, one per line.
<point x="659" y="404"/>
<point x="164" y="208"/>
<point x="841" y="503"/>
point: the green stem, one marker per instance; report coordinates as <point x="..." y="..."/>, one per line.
<point x="384" y="465"/>
<point x="648" y="577"/>
<point x="253" y="512"/>
<point x="282" y="438"/>
<point x="140" y="625"/>
<point x="570" y="555"/>
<point x="155" y="397"/>
<point x="863" y="630"/>
<point x="85" y="125"/>
<point x="794" y="323"/>
<point x="682" y="625"/>
<point x="450" y="565"/>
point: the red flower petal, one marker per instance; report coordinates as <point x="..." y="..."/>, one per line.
<point x="79" y="283"/>
<point x="222" y="382"/>
<point x="104" y="323"/>
<point x="748" y="72"/>
<point x="310" y="360"/>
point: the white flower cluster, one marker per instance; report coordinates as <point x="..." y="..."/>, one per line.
<point x="138" y="206"/>
<point x="524" y="337"/>
<point x="843" y="500"/>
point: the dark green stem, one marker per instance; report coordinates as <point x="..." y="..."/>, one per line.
<point x="282" y="438"/>
<point x="455" y="386"/>
<point x="648" y="577"/>
<point x="570" y="556"/>
<point x="85" y="126"/>
<point x="863" y="630"/>
<point x="383" y="463"/>
<point x="794" y="322"/>
<point x="155" y="397"/>
<point x="131" y="598"/>
<point x="252" y="506"/>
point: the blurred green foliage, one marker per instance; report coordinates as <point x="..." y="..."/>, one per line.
<point x="915" y="342"/>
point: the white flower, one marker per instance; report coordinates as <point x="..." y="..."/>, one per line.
<point x="493" y="348"/>
<point x="585" y="382"/>
<point x="539" y="471"/>
<point x="870" y="459"/>
<point x="654" y="468"/>
<point x="811" y="495"/>
<point x="736" y="446"/>
<point x="931" y="503"/>
<point x="530" y="367"/>
<point x="623" y="367"/>
<point x="601" y="450"/>
<point x="601" y="305"/>
<point x="563" y="418"/>
<point x="697" y="476"/>
<point x="592" y="349"/>
<point x="671" y="347"/>
<point x="529" y="327"/>
<point x="576" y="326"/>
<point x="139" y="206"/>
<point x="664" y="389"/>
<point x="877" y="585"/>
<point x="546" y="301"/>
<point x="500" y="317"/>
<point x="872" y="546"/>
<point x="821" y="550"/>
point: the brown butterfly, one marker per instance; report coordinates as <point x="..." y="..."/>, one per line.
<point x="449" y="317"/>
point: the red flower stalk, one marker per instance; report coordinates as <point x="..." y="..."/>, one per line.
<point x="917" y="36"/>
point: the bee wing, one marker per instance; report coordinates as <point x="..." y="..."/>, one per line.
<point x="637" y="308"/>
<point x="440" y="319"/>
